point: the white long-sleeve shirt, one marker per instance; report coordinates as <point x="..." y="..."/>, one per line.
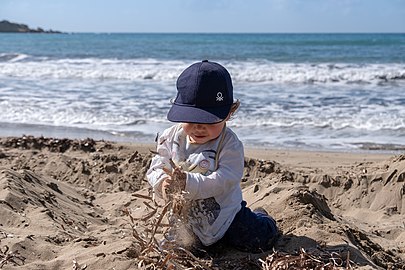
<point x="213" y="187"/>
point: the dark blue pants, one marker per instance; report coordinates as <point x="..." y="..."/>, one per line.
<point x="250" y="231"/>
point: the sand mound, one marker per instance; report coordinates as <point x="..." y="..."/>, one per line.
<point x="358" y="210"/>
<point x="63" y="204"/>
<point x="99" y="167"/>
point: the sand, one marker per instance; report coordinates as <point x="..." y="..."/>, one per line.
<point x="63" y="205"/>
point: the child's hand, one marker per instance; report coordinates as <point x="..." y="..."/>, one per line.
<point x="175" y="182"/>
<point x="179" y="177"/>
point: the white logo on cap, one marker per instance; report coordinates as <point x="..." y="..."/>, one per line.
<point x="219" y="96"/>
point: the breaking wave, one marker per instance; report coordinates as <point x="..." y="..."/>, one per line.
<point x="21" y="65"/>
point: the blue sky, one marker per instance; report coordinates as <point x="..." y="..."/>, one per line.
<point x="273" y="16"/>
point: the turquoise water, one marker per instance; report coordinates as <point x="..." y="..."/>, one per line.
<point x="310" y="91"/>
<point x="289" y="48"/>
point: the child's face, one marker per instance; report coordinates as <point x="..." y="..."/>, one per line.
<point x="202" y="133"/>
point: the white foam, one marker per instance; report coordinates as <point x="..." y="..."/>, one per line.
<point x="316" y="73"/>
<point x="162" y="70"/>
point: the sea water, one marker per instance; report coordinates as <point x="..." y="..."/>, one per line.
<point x="300" y="91"/>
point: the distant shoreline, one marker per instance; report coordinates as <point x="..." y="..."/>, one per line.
<point x="10" y="27"/>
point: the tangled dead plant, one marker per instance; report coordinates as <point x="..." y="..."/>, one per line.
<point x="304" y="260"/>
<point x="153" y="253"/>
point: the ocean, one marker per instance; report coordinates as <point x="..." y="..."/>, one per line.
<point x="341" y="92"/>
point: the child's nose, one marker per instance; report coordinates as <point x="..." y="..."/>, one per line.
<point x="199" y="126"/>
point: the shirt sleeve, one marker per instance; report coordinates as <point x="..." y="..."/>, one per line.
<point x="227" y="176"/>
<point x="155" y="173"/>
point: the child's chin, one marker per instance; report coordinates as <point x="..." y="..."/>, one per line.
<point x="200" y="140"/>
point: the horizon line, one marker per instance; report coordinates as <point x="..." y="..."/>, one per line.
<point x="210" y="33"/>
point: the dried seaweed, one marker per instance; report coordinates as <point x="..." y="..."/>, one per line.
<point x="153" y="253"/>
<point x="170" y="252"/>
<point x="304" y="260"/>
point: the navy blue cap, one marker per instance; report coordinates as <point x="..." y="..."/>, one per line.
<point x="204" y="94"/>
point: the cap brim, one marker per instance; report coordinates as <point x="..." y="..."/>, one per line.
<point x="188" y="114"/>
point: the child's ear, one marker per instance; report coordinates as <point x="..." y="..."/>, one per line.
<point x="235" y="106"/>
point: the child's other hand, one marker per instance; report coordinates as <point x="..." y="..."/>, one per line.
<point x="166" y="185"/>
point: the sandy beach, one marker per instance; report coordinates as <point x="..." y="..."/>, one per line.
<point x="68" y="204"/>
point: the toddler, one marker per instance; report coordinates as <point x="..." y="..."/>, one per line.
<point x="208" y="162"/>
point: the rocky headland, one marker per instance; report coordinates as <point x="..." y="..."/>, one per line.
<point x="10" y="27"/>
